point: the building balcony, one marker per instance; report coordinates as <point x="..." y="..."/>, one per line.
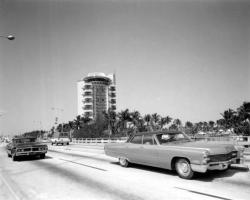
<point x="89" y="114"/>
<point x="88" y="108"/>
<point x="87" y="87"/>
<point x="87" y="102"/>
<point x="87" y="90"/>
<point x="113" y="101"/>
<point x="90" y="98"/>
<point x="87" y="93"/>
<point x="112" y="88"/>
<point x="112" y="95"/>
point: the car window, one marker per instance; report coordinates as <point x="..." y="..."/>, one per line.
<point x="24" y="140"/>
<point x="148" y="140"/>
<point x="171" y="137"/>
<point x="136" y="139"/>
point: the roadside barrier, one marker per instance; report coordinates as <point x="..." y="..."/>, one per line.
<point x="238" y="140"/>
<point x="98" y="140"/>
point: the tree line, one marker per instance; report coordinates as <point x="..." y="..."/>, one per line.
<point x="126" y="122"/>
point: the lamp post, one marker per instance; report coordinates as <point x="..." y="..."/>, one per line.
<point x="61" y="110"/>
<point x="9" y="37"/>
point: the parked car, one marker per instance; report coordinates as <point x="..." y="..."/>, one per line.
<point x="26" y="146"/>
<point x="174" y="150"/>
<point x="60" y="140"/>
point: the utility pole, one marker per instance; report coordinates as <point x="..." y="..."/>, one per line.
<point x="60" y="110"/>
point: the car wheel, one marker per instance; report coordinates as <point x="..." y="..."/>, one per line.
<point x="9" y="155"/>
<point x="67" y="143"/>
<point x="42" y="156"/>
<point x="183" y="168"/>
<point x="123" y="162"/>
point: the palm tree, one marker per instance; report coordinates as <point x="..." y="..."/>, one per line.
<point x="243" y="119"/>
<point x="205" y="126"/>
<point x="147" y="119"/>
<point x="169" y="119"/>
<point x="124" y="117"/>
<point x="242" y="113"/>
<point x="164" y="121"/>
<point x="178" y="123"/>
<point x="135" y="119"/>
<point x="155" y="118"/>
<point x="189" y="125"/>
<point x="228" y="116"/>
<point x="211" y="125"/>
<point x="77" y="122"/>
<point x="86" y="119"/>
<point x="110" y="117"/>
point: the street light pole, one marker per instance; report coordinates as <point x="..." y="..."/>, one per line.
<point x="61" y="110"/>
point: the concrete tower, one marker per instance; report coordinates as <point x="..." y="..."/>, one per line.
<point x="96" y="93"/>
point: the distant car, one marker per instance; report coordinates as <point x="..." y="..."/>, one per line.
<point x="174" y="150"/>
<point x="60" y="140"/>
<point x="26" y="146"/>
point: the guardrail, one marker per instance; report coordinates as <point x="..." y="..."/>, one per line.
<point x="239" y="140"/>
<point x="98" y="140"/>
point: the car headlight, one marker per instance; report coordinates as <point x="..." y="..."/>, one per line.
<point x="234" y="154"/>
<point x="241" y="152"/>
<point x="206" y="158"/>
<point x="19" y="150"/>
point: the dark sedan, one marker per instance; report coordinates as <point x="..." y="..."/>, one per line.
<point x="26" y="146"/>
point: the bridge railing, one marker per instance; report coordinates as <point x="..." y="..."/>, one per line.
<point x="239" y="140"/>
<point x="98" y="140"/>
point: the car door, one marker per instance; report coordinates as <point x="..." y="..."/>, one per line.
<point x="134" y="150"/>
<point x="149" y="151"/>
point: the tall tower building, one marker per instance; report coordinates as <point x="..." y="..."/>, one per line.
<point x="96" y="93"/>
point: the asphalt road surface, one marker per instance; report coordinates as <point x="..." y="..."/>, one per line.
<point x="84" y="172"/>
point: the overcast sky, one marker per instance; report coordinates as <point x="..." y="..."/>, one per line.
<point x="186" y="59"/>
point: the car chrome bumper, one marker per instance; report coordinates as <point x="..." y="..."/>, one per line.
<point x="29" y="153"/>
<point x="213" y="165"/>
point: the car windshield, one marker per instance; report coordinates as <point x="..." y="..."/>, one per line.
<point x="24" y="140"/>
<point x="164" y="138"/>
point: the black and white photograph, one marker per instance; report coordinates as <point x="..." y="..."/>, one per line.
<point x="124" y="99"/>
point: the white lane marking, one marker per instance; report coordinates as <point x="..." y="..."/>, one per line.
<point x="9" y="187"/>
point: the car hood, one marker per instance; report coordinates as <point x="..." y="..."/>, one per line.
<point x="33" y="144"/>
<point x="213" y="148"/>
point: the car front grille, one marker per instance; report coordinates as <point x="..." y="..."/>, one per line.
<point x="223" y="157"/>
<point x="27" y="149"/>
<point x="35" y="149"/>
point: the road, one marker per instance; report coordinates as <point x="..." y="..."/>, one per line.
<point x="84" y="172"/>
